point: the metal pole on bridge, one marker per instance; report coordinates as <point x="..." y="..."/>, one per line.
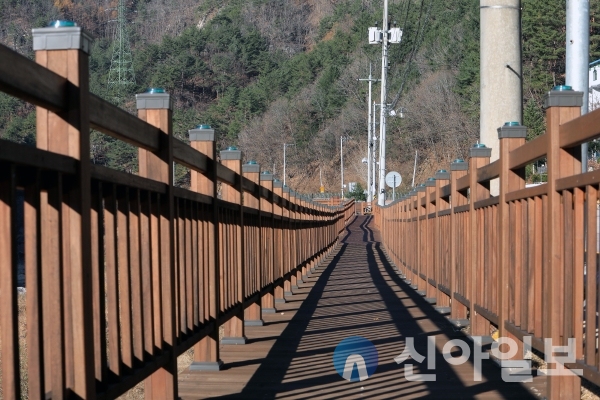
<point x="383" y="107"/>
<point x="577" y="57"/>
<point x="371" y="131"/>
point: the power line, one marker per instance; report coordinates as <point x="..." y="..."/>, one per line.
<point x="419" y="37"/>
<point x="406" y="16"/>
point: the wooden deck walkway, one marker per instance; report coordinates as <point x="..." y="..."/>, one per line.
<point x="355" y="292"/>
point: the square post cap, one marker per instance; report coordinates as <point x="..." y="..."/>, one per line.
<point x="459" y="165"/>
<point x="266" y="176"/>
<point x="202" y="133"/>
<point x="62" y="35"/>
<point x="420" y="188"/>
<point x="442" y="175"/>
<point x="231" y="153"/>
<point x="251" y="167"/>
<point x="286" y="189"/>
<point x="277" y="183"/>
<point x="480" y="150"/>
<point x="154" y="99"/>
<point x="430" y="182"/>
<point x="512" y="130"/>
<point x="563" y="96"/>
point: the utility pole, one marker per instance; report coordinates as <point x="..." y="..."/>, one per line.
<point x="384" y="36"/>
<point x="415" y="168"/>
<point x="577" y="62"/>
<point x="370" y="134"/>
<point x="384" y="67"/>
<point x="285" y="145"/>
<point x="342" y="161"/>
<point x="121" y="74"/>
<point x="500" y="71"/>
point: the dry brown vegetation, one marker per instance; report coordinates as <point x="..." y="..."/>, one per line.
<point x="434" y="125"/>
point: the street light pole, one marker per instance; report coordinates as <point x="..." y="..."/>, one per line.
<point x="577" y="59"/>
<point x="370" y="133"/>
<point x="382" y="116"/>
<point x="342" y="162"/>
<point x="373" y="153"/>
<point x="285" y="145"/>
<point x="342" y="138"/>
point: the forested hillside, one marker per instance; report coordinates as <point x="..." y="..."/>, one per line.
<point x="268" y="72"/>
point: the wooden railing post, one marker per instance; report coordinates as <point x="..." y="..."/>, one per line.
<point x="419" y="283"/>
<point x="442" y="177"/>
<point x="431" y="244"/>
<point x="458" y="169"/>
<point x="67" y="302"/>
<point x="412" y="239"/>
<point x="562" y="106"/>
<point x="155" y="107"/>
<point x="287" y="260"/>
<point x="294" y="245"/>
<point x="309" y="239"/>
<point x="479" y="155"/>
<point x="510" y="260"/>
<point x="278" y="243"/>
<point x="253" y="313"/>
<point x="234" y="328"/>
<point x="206" y="351"/>
<point x="267" y="253"/>
<point x="301" y="226"/>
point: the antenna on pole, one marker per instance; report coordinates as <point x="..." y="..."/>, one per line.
<point x="121" y="76"/>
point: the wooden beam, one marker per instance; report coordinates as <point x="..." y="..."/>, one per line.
<point x="29" y="81"/>
<point x="115" y="122"/>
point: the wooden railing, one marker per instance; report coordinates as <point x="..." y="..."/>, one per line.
<point x="525" y="260"/>
<point x="126" y="272"/>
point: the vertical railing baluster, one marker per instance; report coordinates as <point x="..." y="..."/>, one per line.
<point x="9" y="324"/>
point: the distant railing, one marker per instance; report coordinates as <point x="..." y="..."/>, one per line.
<point x="524" y="261"/>
<point x="126" y="272"/>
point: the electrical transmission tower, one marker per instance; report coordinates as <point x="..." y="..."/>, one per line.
<point x="121" y="77"/>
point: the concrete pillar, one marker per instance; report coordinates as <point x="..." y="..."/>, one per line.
<point x="500" y="66"/>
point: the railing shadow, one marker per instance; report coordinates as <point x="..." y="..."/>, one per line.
<point x="490" y="373"/>
<point x="299" y="364"/>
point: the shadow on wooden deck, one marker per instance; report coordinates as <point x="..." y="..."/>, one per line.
<point x="356" y="293"/>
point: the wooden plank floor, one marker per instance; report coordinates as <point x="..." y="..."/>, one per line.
<point x="355" y="292"/>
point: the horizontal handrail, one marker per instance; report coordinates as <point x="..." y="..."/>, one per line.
<point x="29" y="81"/>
